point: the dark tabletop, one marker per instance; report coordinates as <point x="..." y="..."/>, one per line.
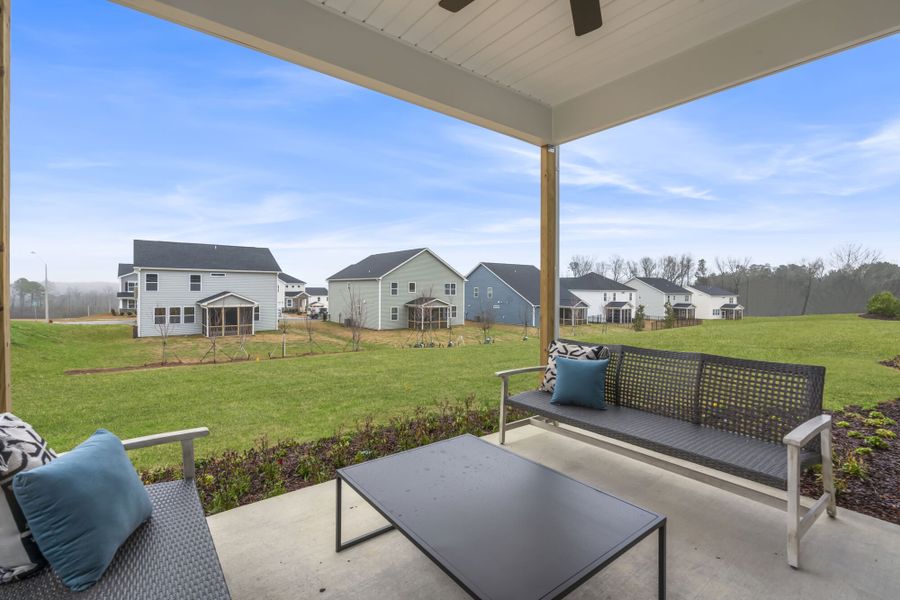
<point x="501" y="525"/>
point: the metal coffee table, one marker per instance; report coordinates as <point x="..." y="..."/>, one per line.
<point x="500" y="525"/>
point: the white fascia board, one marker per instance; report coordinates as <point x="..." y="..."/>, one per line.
<point x="318" y="38"/>
<point x="795" y="35"/>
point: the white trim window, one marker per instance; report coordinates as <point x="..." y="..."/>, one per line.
<point x="151" y="282"/>
<point x="604" y="297"/>
<point x="188" y="312"/>
<point x="452" y="311"/>
<point x="174" y="315"/>
<point x="630" y="294"/>
<point x="490" y="293"/>
<point x="217" y="274"/>
<point x="614" y="296"/>
<point x="256" y="313"/>
<point x="289" y="302"/>
<point x="130" y="285"/>
<point x="159" y="315"/>
<point x="196" y="285"/>
<point x="716" y="312"/>
<point x="129" y="304"/>
<point x="449" y="289"/>
<point x="395" y="288"/>
<point x="475" y="292"/>
<point x="411" y="287"/>
<point x="395" y="313"/>
<point x="687" y="298"/>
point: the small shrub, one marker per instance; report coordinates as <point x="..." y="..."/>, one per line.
<point x="884" y="304"/>
<point x="874" y="414"/>
<point x="873" y="441"/>
<point x="854" y="466"/>
<point x="885" y="434"/>
<point x="842" y="424"/>
<point x="855" y="434"/>
<point x="637" y="323"/>
<point x="863" y="451"/>
<point x="882" y="422"/>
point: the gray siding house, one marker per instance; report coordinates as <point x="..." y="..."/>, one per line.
<point x="397" y="290"/>
<point x="208" y="289"/>
<point x="127" y="283"/>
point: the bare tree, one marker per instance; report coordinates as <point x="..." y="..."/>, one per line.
<point x="601" y="267"/>
<point x="616" y="267"/>
<point x="357" y="319"/>
<point x="633" y="269"/>
<point x="685" y="266"/>
<point x="486" y="322"/>
<point x="667" y="266"/>
<point x="581" y="264"/>
<point x="648" y="267"/>
<point x="164" y="326"/>
<point x="850" y="258"/>
<point x="701" y="272"/>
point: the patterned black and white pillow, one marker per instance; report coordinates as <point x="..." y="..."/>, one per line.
<point x="575" y="351"/>
<point x="21" y="449"/>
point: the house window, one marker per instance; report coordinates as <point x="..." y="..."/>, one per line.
<point x="159" y="316"/>
<point x="629" y="296"/>
<point x="174" y="314"/>
<point x="412" y="287"/>
<point x="395" y="313"/>
<point x="395" y="288"/>
<point x="687" y="298"/>
<point x="217" y="274"/>
<point x="449" y="289"/>
<point x="475" y="292"/>
<point x="490" y="292"/>
<point x="731" y="300"/>
<point x="256" y="313"/>
<point x="188" y="314"/>
<point x="452" y="311"/>
<point x="130" y="285"/>
<point x="195" y="283"/>
<point x="614" y="296"/>
<point x="129" y="304"/>
<point x="715" y="312"/>
<point x="151" y="282"/>
<point x="604" y="296"/>
<point x="289" y="302"/>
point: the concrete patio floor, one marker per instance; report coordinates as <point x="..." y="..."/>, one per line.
<point x="719" y="545"/>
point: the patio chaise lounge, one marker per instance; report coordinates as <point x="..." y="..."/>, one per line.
<point x="170" y="556"/>
<point x="752" y="420"/>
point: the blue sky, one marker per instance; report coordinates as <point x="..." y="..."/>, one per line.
<point x="125" y="126"/>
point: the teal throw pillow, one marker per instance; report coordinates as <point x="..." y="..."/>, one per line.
<point x="580" y="382"/>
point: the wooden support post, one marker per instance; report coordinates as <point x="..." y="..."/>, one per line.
<point x="5" y="399"/>
<point x="549" y="328"/>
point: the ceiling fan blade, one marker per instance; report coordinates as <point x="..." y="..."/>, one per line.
<point x="454" y="5"/>
<point x="586" y="15"/>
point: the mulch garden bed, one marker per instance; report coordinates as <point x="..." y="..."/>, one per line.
<point x="866" y="460"/>
<point x="894" y="363"/>
<point x="867" y="457"/>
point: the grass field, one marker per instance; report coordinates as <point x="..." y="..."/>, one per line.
<point x="312" y="396"/>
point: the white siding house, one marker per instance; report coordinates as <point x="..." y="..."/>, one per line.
<point x="396" y="290"/>
<point x="716" y="303"/>
<point x="654" y="292"/>
<point x="127" y="283"/>
<point x="291" y="293"/>
<point x="213" y="290"/>
<point x="607" y="300"/>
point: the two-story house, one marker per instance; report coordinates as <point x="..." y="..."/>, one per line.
<point x="317" y="298"/>
<point x="291" y="294"/>
<point x="209" y="289"/>
<point x="607" y="301"/>
<point x="127" y="283"/>
<point x="394" y="290"/>
<point x="654" y="292"/>
<point x="716" y="303"/>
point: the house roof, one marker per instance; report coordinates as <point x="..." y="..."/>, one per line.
<point x="731" y="306"/>
<point x="295" y="293"/>
<point x="184" y="255"/>
<point x="425" y="301"/>
<point x="289" y="278"/>
<point x="376" y="266"/>
<point x="712" y="290"/>
<point x="663" y="285"/>
<point x="617" y="304"/>
<point x="222" y="295"/>
<point x="317" y="291"/>
<point x="683" y="305"/>
<point x="594" y="281"/>
<point x="567" y="299"/>
<point x="125" y="269"/>
<point x="525" y="280"/>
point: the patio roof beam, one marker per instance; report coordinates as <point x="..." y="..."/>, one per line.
<point x="549" y="325"/>
<point x="5" y="399"/>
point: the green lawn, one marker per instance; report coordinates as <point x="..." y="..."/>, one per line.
<point x="312" y="396"/>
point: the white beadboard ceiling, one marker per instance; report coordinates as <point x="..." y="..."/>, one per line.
<point x="516" y="66"/>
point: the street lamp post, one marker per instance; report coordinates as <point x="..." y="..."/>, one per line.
<point x="46" y="289"/>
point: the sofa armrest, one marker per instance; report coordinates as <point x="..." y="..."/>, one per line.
<point x="186" y="437"/>
<point x="510" y="372"/>
<point x="803" y="433"/>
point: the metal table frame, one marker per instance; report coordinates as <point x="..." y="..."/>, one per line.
<point x="659" y="525"/>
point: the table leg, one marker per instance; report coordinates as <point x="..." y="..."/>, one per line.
<point x="338" y="544"/>
<point x="662" y="562"/>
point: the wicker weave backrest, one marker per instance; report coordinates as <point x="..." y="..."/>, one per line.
<point x="763" y="400"/>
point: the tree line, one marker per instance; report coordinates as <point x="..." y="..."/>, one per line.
<point x="839" y="283"/>
<point x="27" y="298"/>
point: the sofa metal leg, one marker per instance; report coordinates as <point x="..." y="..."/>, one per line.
<point x="504" y="393"/>
<point x="793" y="506"/>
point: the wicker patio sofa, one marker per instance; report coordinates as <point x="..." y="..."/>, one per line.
<point x="736" y="419"/>
<point x="170" y="556"/>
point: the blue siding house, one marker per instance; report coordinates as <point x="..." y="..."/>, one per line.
<point x="510" y="292"/>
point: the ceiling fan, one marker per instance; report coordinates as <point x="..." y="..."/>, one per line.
<point x="585" y="13"/>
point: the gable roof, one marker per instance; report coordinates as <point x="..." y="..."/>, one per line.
<point x="317" y="291"/>
<point x="125" y="269"/>
<point x="289" y="278"/>
<point x="184" y="255"/>
<point x="663" y="285"/>
<point x="713" y="290"/>
<point x="222" y="296"/>
<point x="376" y="266"/>
<point x="594" y="281"/>
<point x="525" y="280"/>
<point x="567" y="299"/>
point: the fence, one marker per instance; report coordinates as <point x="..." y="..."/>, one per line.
<point x="655" y="325"/>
